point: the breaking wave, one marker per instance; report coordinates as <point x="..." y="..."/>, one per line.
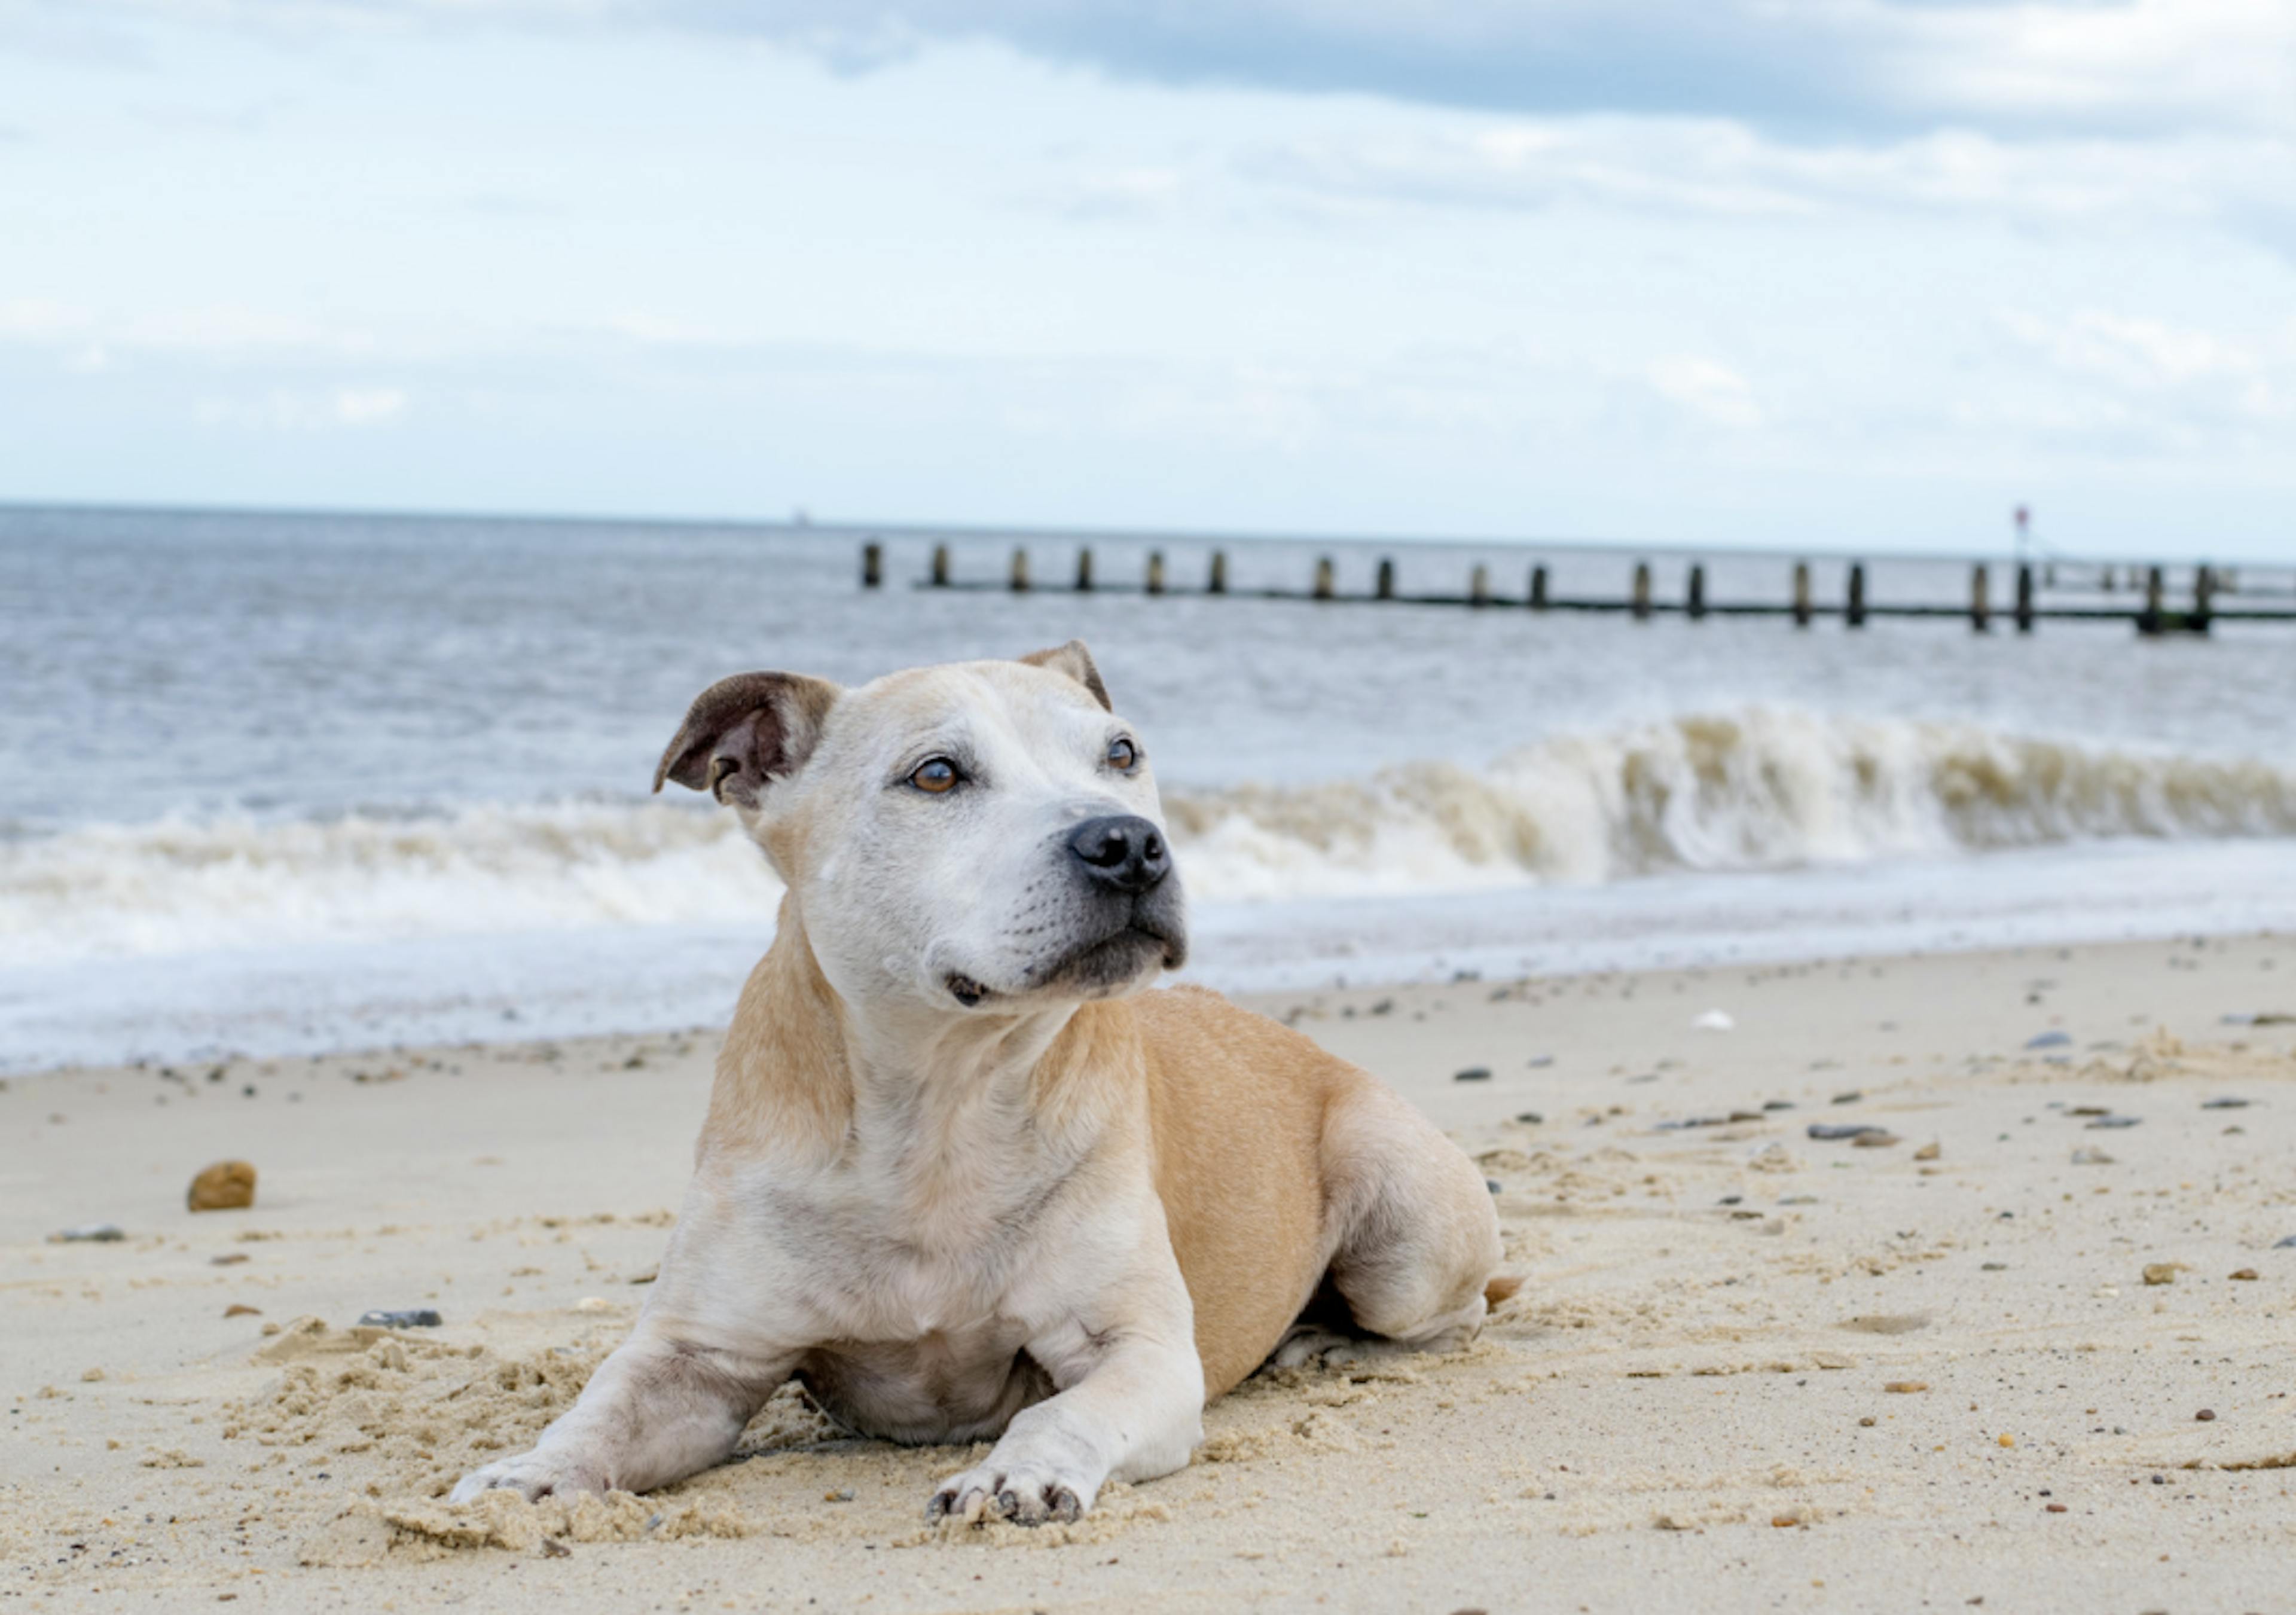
<point x="1759" y="789"/>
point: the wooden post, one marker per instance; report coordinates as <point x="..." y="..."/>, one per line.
<point x="1386" y="588"/>
<point x="873" y="565"/>
<point x="1218" y="583"/>
<point x="1640" y="603"/>
<point x="1155" y="571"/>
<point x="1854" y="613"/>
<point x="1801" y="594"/>
<point x="1479" y="586"/>
<point x="2204" y="598"/>
<point x="1695" y="600"/>
<point x="1020" y="571"/>
<point x="941" y="566"/>
<point x="1083" y="570"/>
<point x="1538" y="587"/>
<point x="2024" y="599"/>
<point x="2151" y="621"/>
<point x="1981" y="601"/>
<point x="1322" y="576"/>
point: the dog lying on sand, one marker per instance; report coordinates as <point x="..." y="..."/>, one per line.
<point x="960" y="1174"/>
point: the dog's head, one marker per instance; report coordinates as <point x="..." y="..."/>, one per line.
<point x="979" y="836"/>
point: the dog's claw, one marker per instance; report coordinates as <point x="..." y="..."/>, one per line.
<point x="988" y="1494"/>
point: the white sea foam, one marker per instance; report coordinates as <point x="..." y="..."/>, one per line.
<point x="1763" y="788"/>
<point x="1755" y="789"/>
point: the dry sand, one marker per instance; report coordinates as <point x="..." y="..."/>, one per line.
<point x="1691" y="1404"/>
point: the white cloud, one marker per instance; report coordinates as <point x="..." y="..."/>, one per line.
<point x="1708" y="389"/>
<point x="2150" y="359"/>
<point x="285" y="409"/>
<point x="1721" y="168"/>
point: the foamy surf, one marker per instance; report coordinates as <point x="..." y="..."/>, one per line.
<point x="1758" y="788"/>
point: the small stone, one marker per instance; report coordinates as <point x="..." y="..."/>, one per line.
<point x="1530" y="1119"/>
<point x="2224" y="1105"/>
<point x="2091" y="1156"/>
<point x="1905" y="1387"/>
<point x="1851" y="1097"/>
<point x="2116" y="1121"/>
<point x="1714" y="1020"/>
<point x="229" y="1258"/>
<point x="2246" y="1275"/>
<point x="842" y="1494"/>
<point x="2008" y="1441"/>
<point x="2055" y="1508"/>
<point x="1874" y="1138"/>
<point x="2049" y="1040"/>
<point x="407" y="1317"/>
<point x="2207" y="1415"/>
<point x="1928" y="1152"/>
<point x="1993" y="1266"/>
<point x="1829" y="1132"/>
<point x="1493" y="1185"/>
<point x="1867" y="1422"/>
<point x="1777" y="1104"/>
<point x="2161" y="1272"/>
<point x="1473" y="1073"/>
<point x="2285" y="1244"/>
<point x="240" y="1309"/>
<point x="552" y="1548"/>
<point x="228" y="1185"/>
<point x="89" y="1234"/>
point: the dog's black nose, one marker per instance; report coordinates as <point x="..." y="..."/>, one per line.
<point x="1122" y="852"/>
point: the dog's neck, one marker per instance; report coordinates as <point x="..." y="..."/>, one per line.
<point x="804" y="1072"/>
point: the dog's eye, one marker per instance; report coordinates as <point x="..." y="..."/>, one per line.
<point x="1122" y="754"/>
<point x="936" y="775"/>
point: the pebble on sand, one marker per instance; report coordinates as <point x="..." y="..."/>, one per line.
<point x="228" y="1185"/>
<point x="1473" y="1073"/>
<point x="1874" y="1138"/>
<point x="1827" y="1132"/>
<point x="1928" y="1152"/>
<point x="2246" y="1275"/>
<point x="88" y="1234"/>
<point x="1714" y="1020"/>
<point x="2207" y="1415"/>
<point x="1905" y="1387"/>
<point x="2162" y="1273"/>
<point x="240" y="1309"/>
<point x="2049" y="1040"/>
<point x="408" y="1317"/>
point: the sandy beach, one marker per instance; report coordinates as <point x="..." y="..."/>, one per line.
<point x="2026" y="1348"/>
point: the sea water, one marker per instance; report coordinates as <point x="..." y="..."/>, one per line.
<point x="282" y="783"/>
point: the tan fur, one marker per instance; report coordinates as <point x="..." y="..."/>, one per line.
<point x="958" y="1196"/>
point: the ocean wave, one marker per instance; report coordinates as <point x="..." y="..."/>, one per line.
<point x="1758" y="788"/>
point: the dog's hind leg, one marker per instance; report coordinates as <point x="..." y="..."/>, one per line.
<point x="1414" y="1239"/>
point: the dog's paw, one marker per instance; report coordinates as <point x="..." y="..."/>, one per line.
<point x="1023" y="1494"/>
<point x="531" y="1475"/>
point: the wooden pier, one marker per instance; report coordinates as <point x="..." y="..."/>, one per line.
<point x="2146" y="604"/>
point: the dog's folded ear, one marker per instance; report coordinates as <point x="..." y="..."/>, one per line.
<point x="744" y="730"/>
<point x="1075" y="661"/>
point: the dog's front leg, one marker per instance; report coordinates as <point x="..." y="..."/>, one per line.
<point x="1131" y="1407"/>
<point x="658" y="1410"/>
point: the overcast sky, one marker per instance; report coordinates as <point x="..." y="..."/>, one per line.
<point x="1835" y="272"/>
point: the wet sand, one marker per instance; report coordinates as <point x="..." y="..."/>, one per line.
<point x="1690" y="1404"/>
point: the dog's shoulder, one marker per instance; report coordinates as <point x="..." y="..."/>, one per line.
<point x="1189" y="1021"/>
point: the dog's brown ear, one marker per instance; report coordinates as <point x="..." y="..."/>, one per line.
<point x="1074" y="660"/>
<point x="745" y="730"/>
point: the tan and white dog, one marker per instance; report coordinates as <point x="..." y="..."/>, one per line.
<point x="960" y="1175"/>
